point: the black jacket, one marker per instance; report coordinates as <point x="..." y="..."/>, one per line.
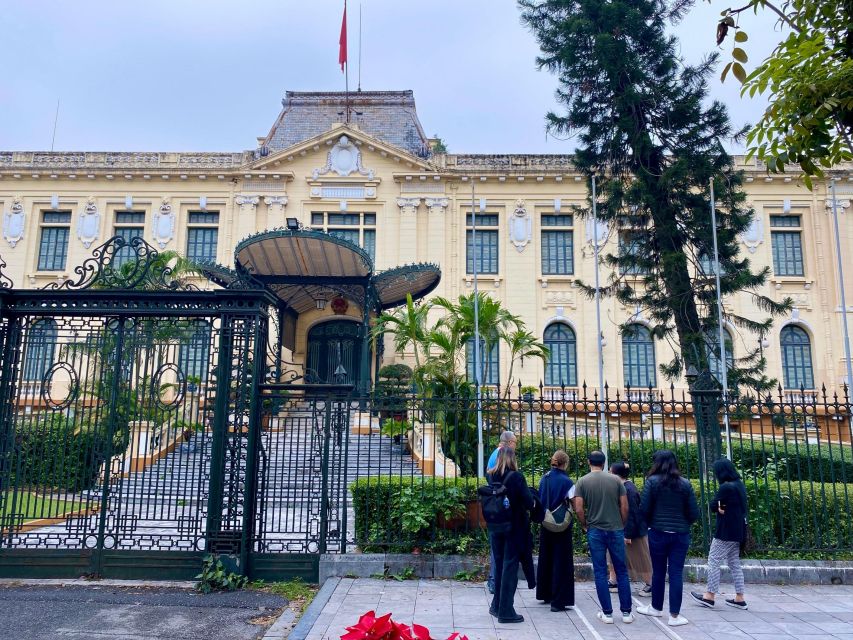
<point x="669" y="508"/>
<point x="731" y="496"/>
<point x="520" y="503"/>
<point x="635" y="526"/>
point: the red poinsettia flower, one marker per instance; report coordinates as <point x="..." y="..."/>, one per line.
<point x="370" y="627"/>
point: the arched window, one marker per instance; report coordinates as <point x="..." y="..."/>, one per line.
<point x="797" y="370"/>
<point x="712" y="339"/>
<point x="39" y="349"/>
<point x="638" y="357"/>
<point x="194" y="351"/>
<point x="561" y="368"/>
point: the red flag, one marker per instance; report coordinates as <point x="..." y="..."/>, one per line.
<point x="342" y="54"/>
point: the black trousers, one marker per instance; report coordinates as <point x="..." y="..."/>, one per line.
<point x="555" y="575"/>
<point x="506" y="551"/>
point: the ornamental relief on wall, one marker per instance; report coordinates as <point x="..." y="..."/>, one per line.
<point x="520" y="226"/>
<point x="89" y="223"/>
<point x="13" y="222"/>
<point x="164" y="224"/>
<point x="559" y="299"/>
<point x="343" y="159"/>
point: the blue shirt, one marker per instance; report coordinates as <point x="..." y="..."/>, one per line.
<point x="554" y="487"/>
<point x="493" y="459"/>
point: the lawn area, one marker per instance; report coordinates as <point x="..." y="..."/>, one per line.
<point x="35" y="507"/>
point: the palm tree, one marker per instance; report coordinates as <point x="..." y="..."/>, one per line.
<point x="408" y="325"/>
<point x="522" y="344"/>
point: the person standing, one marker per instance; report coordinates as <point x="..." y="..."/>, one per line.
<point x="730" y="505"/>
<point x="507" y="439"/>
<point x="669" y="506"/>
<point x="555" y="574"/>
<point x="636" y="536"/>
<point x="601" y="506"/>
<point x="508" y="540"/>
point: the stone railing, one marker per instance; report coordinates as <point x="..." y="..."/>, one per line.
<point x="426" y="451"/>
<point x="36" y="160"/>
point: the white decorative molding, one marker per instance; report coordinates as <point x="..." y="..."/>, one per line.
<point x="275" y="201"/>
<point x="408" y="205"/>
<point x="596" y="232"/>
<point x="13" y="222"/>
<point x="247" y="201"/>
<point x="89" y="223"/>
<point x="344" y="159"/>
<point x="753" y="235"/>
<point x="520" y="226"/>
<point x="843" y="205"/>
<point x="560" y="299"/>
<point x="164" y="224"/>
<point x="436" y="205"/>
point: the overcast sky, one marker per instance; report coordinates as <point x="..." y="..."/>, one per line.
<point x="182" y="75"/>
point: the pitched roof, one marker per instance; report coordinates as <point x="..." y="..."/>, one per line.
<point x="387" y="115"/>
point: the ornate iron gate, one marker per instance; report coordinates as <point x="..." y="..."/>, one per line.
<point x="129" y="417"/>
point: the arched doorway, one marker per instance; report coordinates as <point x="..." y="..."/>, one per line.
<point x="334" y="349"/>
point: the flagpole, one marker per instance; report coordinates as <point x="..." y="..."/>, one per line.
<point x="346" y="64"/>
<point x="477" y="374"/>
<point x="359" y="47"/>
<point x="724" y="363"/>
<point x="605" y="435"/>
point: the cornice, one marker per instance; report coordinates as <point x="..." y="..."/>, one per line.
<point x="119" y="161"/>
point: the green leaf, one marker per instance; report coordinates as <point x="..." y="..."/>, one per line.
<point x="725" y="72"/>
<point x="739" y="72"/>
<point x="740" y="55"/>
<point x="741" y="36"/>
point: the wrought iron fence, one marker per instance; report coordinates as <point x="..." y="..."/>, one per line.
<point x="399" y="473"/>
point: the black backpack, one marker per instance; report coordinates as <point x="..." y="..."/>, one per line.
<point x="494" y="502"/>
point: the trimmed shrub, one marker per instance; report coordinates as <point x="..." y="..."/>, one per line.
<point x="51" y="452"/>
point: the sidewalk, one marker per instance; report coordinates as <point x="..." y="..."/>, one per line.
<point x="775" y="613"/>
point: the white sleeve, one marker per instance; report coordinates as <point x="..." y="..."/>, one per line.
<point x="571" y="493"/>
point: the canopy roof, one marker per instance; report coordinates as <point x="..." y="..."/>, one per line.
<point x="304" y="266"/>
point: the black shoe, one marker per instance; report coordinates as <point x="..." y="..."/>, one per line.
<point x="737" y="605"/>
<point x="613" y="587"/>
<point x="556" y="608"/>
<point x="515" y="618"/>
<point x="701" y="600"/>
<point x="493" y="611"/>
<point x="545" y="602"/>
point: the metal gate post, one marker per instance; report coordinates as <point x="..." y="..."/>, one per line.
<point x="250" y="486"/>
<point x="220" y="426"/>
<point x="324" y="481"/>
<point x="97" y="560"/>
<point x="8" y="375"/>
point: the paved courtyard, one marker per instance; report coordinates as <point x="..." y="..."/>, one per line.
<point x="775" y="613"/>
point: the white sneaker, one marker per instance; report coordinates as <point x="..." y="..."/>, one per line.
<point x="649" y="610"/>
<point x="677" y="622"/>
<point x="628" y="618"/>
<point x="606" y="619"/>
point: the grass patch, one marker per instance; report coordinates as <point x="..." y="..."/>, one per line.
<point x="34" y="507"/>
<point x="298" y="593"/>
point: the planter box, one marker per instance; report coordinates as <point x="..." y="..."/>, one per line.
<point x="471" y="520"/>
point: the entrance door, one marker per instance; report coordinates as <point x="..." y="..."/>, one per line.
<point x="334" y="350"/>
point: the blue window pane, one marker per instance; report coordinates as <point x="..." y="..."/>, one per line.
<point x="130" y="217"/>
<point x="39" y="349"/>
<point x="350" y="235"/>
<point x="797" y="369"/>
<point x="638" y="357"/>
<point x="487" y="252"/>
<point x="713" y="341"/>
<point x="784" y="221"/>
<point x="490" y="371"/>
<point x="203" y="217"/>
<point x="194" y="351"/>
<point x="556" y="220"/>
<point x="631" y="244"/>
<point x="483" y="220"/>
<point x="345" y="218"/>
<point x="53" y="248"/>
<point x="370" y="243"/>
<point x="787" y="253"/>
<point x="561" y="368"/>
<point x="201" y="244"/>
<point x="557" y="253"/>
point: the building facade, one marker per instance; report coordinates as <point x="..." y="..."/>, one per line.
<point x="376" y="182"/>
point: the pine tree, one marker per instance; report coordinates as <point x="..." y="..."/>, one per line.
<point x="647" y="131"/>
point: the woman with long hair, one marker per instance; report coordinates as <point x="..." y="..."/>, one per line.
<point x="509" y="540"/>
<point x="555" y="573"/>
<point x="636" y="536"/>
<point x="669" y="507"/>
<point x="730" y="505"/>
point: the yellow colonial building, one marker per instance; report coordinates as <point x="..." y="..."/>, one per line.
<point x="378" y="182"/>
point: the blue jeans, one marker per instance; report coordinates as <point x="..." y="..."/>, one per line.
<point x="600" y="542"/>
<point x="668" y="552"/>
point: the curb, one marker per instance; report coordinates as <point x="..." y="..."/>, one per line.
<point x="306" y="622"/>
<point x="87" y="582"/>
<point x="279" y="628"/>
<point x="789" y="572"/>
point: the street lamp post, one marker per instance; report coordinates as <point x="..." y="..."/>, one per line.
<point x="477" y="381"/>
<point x="841" y="288"/>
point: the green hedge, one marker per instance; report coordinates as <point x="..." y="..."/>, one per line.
<point x="400" y="514"/>
<point x="791" y="461"/>
<point x="51" y="452"/>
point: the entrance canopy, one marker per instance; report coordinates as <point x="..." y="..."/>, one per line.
<point x="305" y="269"/>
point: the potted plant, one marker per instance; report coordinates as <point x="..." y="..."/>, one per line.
<point x="394" y="429"/>
<point x="528" y="393"/>
<point x="193" y="383"/>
